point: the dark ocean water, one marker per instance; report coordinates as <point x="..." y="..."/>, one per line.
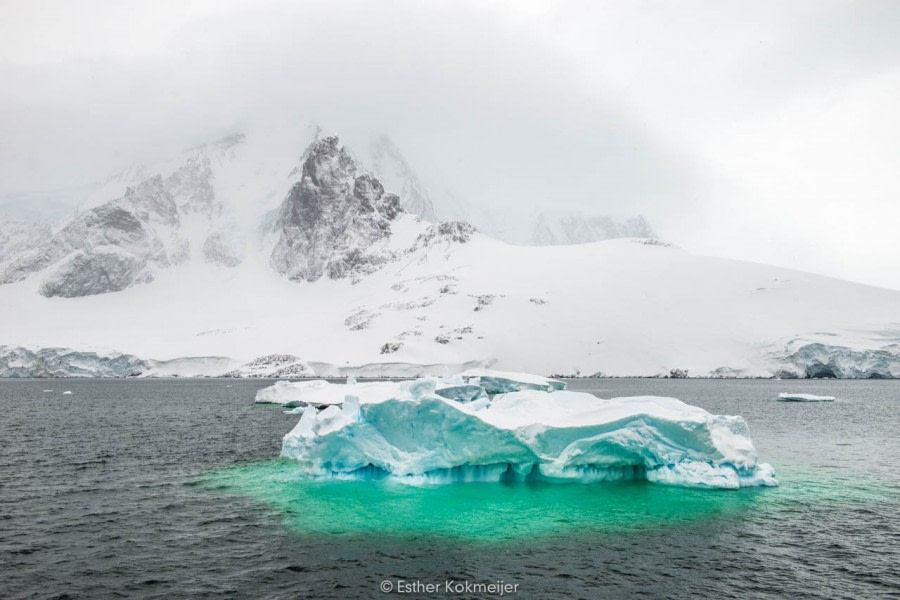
<point x="170" y="489"/>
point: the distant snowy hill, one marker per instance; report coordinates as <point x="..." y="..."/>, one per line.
<point x="240" y="260"/>
<point x="557" y="229"/>
<point x="546" y="228"/>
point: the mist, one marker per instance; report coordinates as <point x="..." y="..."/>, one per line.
<point x="764" y="132"/>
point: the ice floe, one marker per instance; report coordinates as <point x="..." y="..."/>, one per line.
<point x="790" y="397"/>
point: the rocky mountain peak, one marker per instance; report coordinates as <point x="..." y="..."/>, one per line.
<point x="333" y="218"/>
<point x="328" y="164"/>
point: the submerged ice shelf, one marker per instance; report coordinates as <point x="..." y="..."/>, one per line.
<point x="410" y="432"/>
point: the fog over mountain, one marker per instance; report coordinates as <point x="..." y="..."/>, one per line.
<point x="764" y="132"/>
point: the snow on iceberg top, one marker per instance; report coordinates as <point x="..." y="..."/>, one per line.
<point x="469" y="385"/>
<point x="789" y="397"/>
<point x="318" y="392"/>
<point x="498" y="382"/>
<point x="414" y="434"/>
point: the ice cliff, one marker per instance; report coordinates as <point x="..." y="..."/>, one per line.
<point x="63" y="362"/>
<point x="411" y="432"/>
<point x="826" y="361"/>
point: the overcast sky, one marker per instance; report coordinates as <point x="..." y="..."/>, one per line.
<point x="765" y="131"/>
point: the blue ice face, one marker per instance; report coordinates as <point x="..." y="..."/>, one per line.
<point x="434" y="431"/>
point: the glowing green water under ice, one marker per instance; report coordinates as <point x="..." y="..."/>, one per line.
<point x="497" y="512"/>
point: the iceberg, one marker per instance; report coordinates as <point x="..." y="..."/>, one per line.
<point x="408" y="432"/>
<point x="321" y="393"/>
<point x="789" y="397"/>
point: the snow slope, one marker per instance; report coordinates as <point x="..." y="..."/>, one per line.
<point x="619" y="307"/>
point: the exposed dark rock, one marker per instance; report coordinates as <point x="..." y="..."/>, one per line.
<point x="332" y="219"/>
<point x="483" y="301"/>
<point x="390" y="347"/>
<point x="96" y="271"/>
<point x="273" y="365"/>
<point x="447" y="232"/>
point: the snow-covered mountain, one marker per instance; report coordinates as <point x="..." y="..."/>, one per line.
<point x="390" y="166"/>
<point x="335" y="221"/>
<point x="562" y="228"/>
<point x="543" y="228"/>
<point x="239" y="260"/>
<point x="125" y="241"/>
<point x="18" y="236"/>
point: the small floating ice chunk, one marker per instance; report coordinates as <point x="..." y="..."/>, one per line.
<point x="790" y="397"/>
<point x="287" y="393"/>
<point x="321" y="393"/>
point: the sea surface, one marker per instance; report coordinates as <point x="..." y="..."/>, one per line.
<point x="173" y="489"/>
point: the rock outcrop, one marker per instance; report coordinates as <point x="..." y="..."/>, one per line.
<point x="447" y="232"/>
<point x="335" y="220"/>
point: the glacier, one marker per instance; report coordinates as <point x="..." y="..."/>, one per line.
<point x="406" y="431"/>
<point x="801" y="360"/>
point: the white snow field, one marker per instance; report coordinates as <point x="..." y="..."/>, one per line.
<point x="619" y="307"/>
<point x="791" y="397"/>
<point x="414" y="435"/>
